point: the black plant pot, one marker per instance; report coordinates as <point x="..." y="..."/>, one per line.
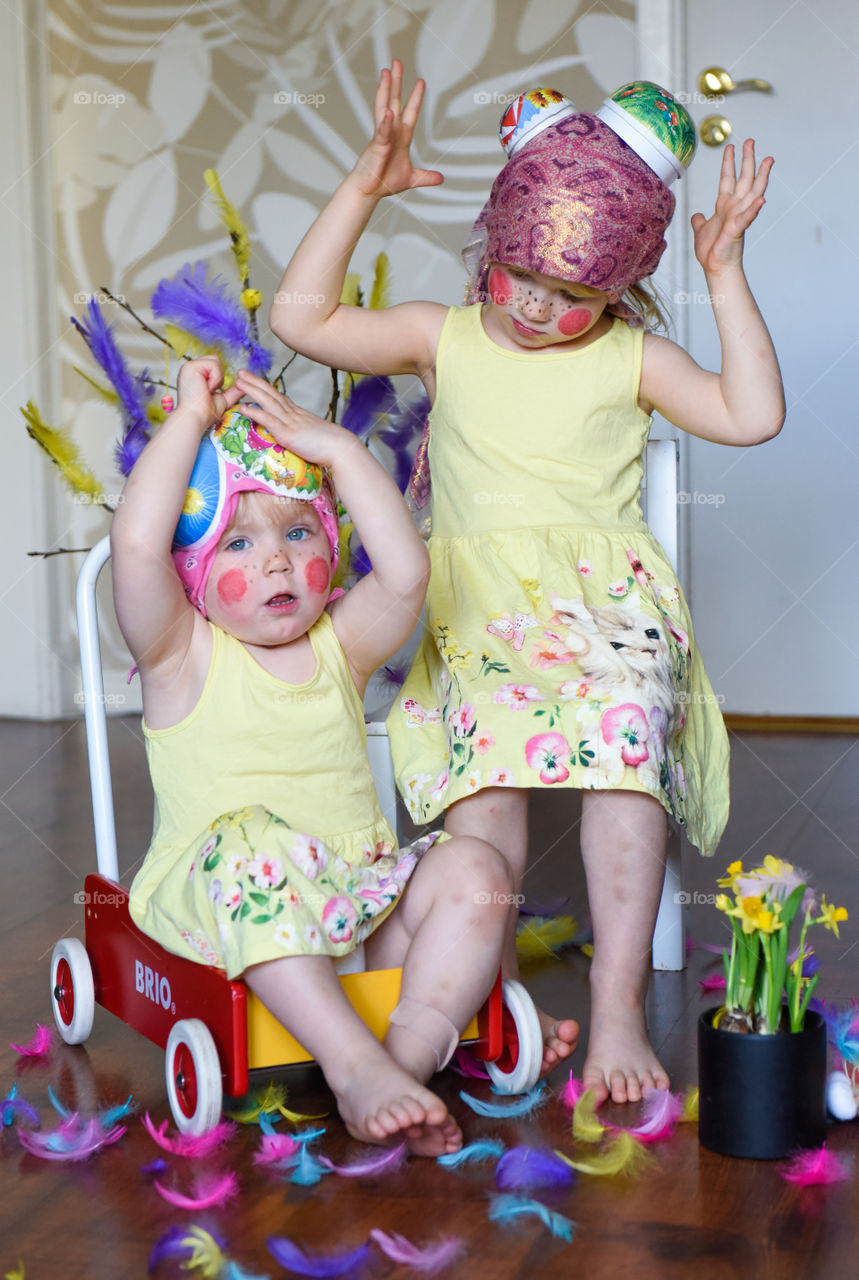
<point x="761" y="1096"/>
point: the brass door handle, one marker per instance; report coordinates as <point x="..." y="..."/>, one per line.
<point x="714" y="130"/>
<point x="715" y="82"/>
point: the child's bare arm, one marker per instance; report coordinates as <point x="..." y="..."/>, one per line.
<point x="307" y="313"/>
<point x="743" y="404"/>
<point x="154" y="614"/>
<point x="379" y="613"/>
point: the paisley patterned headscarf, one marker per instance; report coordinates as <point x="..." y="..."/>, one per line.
<point x="234" y="457"/>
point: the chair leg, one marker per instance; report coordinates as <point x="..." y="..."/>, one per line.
<point x="669" y="936"/>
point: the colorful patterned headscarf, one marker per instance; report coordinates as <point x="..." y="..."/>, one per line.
<point x="577" y="202"/>
<point x="237" y="456"/>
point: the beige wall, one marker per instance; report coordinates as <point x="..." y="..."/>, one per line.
<point x="276" y="96"/>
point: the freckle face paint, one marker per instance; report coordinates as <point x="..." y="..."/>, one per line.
<point x="231" y="586"/>
<point x="500" y="287"/>
<point x="574" y="321"/>
<point x="317" y="574"/>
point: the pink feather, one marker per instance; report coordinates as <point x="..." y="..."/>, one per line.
<point x="187" y="1144"/>
<point x="465" y="1064"/>
<point x="571" y="1092"/>
<point x="661" y="1110"/>
<point x="276" y="1147"/>
<point x="40" y="1043"/>
<point x="430" y="1257"/>
<point x="212" y="1192"/>
<point x="716" y="982"/>
<point x="72" y="1140"/>
<point x="815" y="1168"/>
<point x="388" y="1161"/>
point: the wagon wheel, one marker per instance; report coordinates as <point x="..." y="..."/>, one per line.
<point x="193" y="1074"/>
<point x="518" y="1067"/>
<point x="72" y="990"/>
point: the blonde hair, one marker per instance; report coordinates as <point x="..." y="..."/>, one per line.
<point x="644" y="299"/>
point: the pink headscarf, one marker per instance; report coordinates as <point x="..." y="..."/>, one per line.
<point x="577" y="203"/>
<point x="237" y="456"/>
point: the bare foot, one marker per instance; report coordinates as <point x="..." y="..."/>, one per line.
<point x="560" y="1038"/>
<point x="378" y="1101"/>
<point x="621" y="1063"/>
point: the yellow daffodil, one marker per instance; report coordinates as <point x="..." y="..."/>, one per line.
<point x="831" y="916"/>
<point x="734" y="870"/>
<point x="776" y="867"/>
<point x="723" y="902"/>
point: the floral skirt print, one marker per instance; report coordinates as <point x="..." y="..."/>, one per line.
<point x="251" y="889"/>
<point x="556" y="661"/>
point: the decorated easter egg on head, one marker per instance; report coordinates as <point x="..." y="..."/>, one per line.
<point x="258" y="453"/>
<point x="529" y="114"/>
<point x="654" y="124"/>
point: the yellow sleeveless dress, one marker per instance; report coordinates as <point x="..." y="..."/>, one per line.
<point x="268" y="840"/>
<point x="558" y="649"/>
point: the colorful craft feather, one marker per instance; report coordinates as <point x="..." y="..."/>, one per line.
<point x="108" y="1118"/>
<point x="240" y="241"/>
<point x="305" y="1263"/>
<point x="206" y="1254"/>
<point x="307" y="1169"/>
<point x="232" y="1271"/>
<point x="716" y="982"/>
<point x="276" y="1148"/>
<point x="18" y="1274"/>
<point x="465" y="1064"/>
<point x="689" y="1114"/>
<point x="622" y="1155"/>
<point x="661" y="1110"/>
<point x="268" y="1101"/>
<point x="369" y="400"/>
<point x="428" y="1258"/>
<point x="571" y="1092"/>
<point x="40" y="1043"/>
<point x="400" y="434"/>
<point x="388" y="1160"/>
<point x="842" y="1029"/>
<point x="179" y="1242"/>
<point x="586" y="1126"/>
<point x="523" y="1106"/>
<point x="187" y="1144"/>
<point x="380" y="292"/>
<point x="538" y="938"/>
<point x="508" y="1208"/>
<point x="98" y="335"/>
<point x="73" y="1140"/>
<point x="211" y="1191"/>
<point x="527" y="1168"/>
<point x="815" y="1168"/>
<point x="63" y="452"/>
<point x="205" y="309"/>
<point x="473" y="1153"/>
<point x="158" y="1165"/>
<point x="12" y="1106"/>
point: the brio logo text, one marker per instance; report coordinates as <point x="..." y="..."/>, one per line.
<point x="154" y="987"/>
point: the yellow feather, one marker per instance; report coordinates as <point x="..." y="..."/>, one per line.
<point x="350" y="294"/>
<point x="206" y="1256"/>
<point x="17" y="1274"/>
<point x="538" y="937"/>
<point x="586" y="1126"/>
<point x="381" y="283"/>
<point x="63" y="452"/>
<point x="240" y="240"/>
<point x="106" y="393"/>
<point x="690" y="1107"/>
<point x="622" y="1155"/>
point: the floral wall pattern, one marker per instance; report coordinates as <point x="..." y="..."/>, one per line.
<point x="276" y="96"/>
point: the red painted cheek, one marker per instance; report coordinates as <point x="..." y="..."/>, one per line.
<point x="317" y="574"/>
<point x="572" y="322"/>
<point x="500" y="287"/>
<point x="231" y="586"/>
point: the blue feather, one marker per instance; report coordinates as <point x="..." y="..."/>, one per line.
<point x="368" y="400"/>
<point x="208" y="312"/>
<point x="473" y="1153"/>
<point x="524" y="1167"/>
<point x="519" y="1107"/>
<point x="305" y="1263"/>
<point x="307" y="1170"/>
<point x="507" y="1208"/>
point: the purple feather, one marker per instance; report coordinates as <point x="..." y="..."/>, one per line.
<point x="130" y="445"/>
<point x="155" y="1166"/>
<point x="208" y="312"/>
<point x="369" y="399"/>
<point x="359" y="562"/>
<point x="98" y="335"/>
<point x="305" y="1263"/>
<point x="12" y="1106"/>
<point x="387" y="1161"/>
<point x="73" y="1140"/>
<point x="421" y="1258"/>
<point x="523" y="1168"/>
<point x="176" y="1243"/>
<point x="400" y="435"/>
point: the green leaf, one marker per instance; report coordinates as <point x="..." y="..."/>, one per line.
<point x="261" y="899"/>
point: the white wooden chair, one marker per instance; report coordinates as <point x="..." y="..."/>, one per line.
<point x="660" y="494"/>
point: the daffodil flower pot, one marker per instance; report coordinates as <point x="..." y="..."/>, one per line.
<point x="761" y="1096"/>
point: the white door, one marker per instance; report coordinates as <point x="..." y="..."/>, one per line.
<point x="775" y="529"/>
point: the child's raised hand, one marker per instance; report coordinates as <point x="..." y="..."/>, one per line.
<point x="719" y="239"/>
<point x="384" y="167"/>
<point x="311" y="437"/>
<point x="200" y="391"/>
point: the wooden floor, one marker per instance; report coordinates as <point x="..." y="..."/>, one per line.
<point x="692" y="1213"/>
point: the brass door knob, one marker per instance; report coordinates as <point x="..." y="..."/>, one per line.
<point x="715" y="82"/>
<point x="714" y="130"/>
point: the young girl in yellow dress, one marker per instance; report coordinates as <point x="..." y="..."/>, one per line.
<point x="558" y="649"/>
<point x="270" y="856"/>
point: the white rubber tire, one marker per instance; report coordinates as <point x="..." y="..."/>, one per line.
<point x="192" y="1040"/>
<point x="71" y="975"/>
<point x="526" y="1073"/>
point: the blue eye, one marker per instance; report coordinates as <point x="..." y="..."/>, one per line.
<point x="237" y="544"/>
<point x="298" y="534"/>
